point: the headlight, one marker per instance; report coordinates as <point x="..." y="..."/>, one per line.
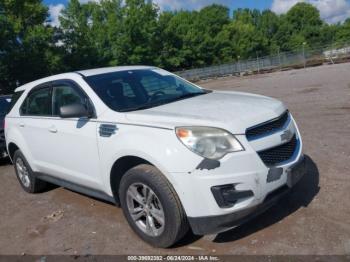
<point x="208" y="142"/>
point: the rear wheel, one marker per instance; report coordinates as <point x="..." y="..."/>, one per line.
<point x="152" y="207"/>
<point x="25" y="175"/>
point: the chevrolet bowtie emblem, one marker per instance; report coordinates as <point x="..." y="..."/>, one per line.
<point x="286" y="136"/>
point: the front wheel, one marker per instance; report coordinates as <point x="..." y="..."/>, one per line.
<point x="152" y="207"/>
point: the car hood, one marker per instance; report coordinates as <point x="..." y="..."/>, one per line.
<point x="233" y="111"/>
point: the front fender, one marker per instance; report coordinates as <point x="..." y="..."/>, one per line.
<point x="158" y="146"/>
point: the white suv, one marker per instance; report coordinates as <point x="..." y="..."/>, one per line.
<point x="173" y="155"/>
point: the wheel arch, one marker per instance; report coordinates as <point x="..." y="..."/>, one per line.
<point x="12" y="148"/>
<point x="119" y="168"/>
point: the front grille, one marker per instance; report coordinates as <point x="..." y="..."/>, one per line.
<point x="279" y="154"/>
<point x="267" y="128"/>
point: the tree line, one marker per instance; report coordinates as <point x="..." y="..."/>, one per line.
<point x="116" y="32"/>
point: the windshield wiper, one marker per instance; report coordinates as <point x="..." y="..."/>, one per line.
<point x="139" y="107"/>
<point x="161" y="102"/>
<point x="189" y="95"/>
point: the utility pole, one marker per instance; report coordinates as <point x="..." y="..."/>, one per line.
<point x="304" y="43"/>
<point x="239" y="65"/>
<point x="279" y="58"/>
<point x="257" y="60"/>
<point x="331" y="56"/>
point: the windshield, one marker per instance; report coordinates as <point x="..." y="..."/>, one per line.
<point x="140" y="89"/>
<point x="4" y="105"/>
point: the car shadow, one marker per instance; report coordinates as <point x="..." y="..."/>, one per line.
<point x="5" y="161"/>
<point x="300" y="196"/>
<point x="188" y="239"/>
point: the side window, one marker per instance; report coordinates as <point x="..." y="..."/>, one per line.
<point x="66" y="94"/>
<point x="38" y="103"/>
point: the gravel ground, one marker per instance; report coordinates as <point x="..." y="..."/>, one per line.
<point x="313" y="219"/>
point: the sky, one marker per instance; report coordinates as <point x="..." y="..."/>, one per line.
<point x="332" y="11"/>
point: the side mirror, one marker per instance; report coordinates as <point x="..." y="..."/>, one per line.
<point x="74" y="111"/>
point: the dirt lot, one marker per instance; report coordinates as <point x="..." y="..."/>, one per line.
<point x="314" y="219"/>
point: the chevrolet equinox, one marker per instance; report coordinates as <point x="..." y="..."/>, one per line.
<point x="173" y="155"/>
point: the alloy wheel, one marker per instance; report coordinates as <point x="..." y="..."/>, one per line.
<point x="23" y="173"/>
<point x="145" y="209"/>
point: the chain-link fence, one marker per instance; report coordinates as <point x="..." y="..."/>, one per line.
<point x="300" y="58"/>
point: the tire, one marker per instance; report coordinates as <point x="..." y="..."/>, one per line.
<point x="26" y="176"/>
<point x="162" y="198"/>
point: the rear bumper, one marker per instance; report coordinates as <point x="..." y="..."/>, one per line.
<point x="215" y="224"/>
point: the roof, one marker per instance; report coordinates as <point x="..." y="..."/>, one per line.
<point x="104" y="70"/>
<point x="89" y="72"/>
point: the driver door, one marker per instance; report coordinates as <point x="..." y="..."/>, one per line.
<point x="74" y="150"/>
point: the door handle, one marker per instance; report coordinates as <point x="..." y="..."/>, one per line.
<point x="53" y="129"/>
<point x="21" y="124"/>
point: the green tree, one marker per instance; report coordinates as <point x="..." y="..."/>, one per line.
<point x="243" y="37"/>
<point x="301" y="24"/>
<point x="139" y="35"/>
<point x="79" y="36"/>
<point x="343" y="33"/>
<point x="27" y="48"/>
<point x="268" y="25"/>
<point x="208" y="24"/>
<point x="178" y="48"/>
<point x="188" y="38"/>
<point x="118" y="32"/>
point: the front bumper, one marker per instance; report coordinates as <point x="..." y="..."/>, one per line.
<point x="215" y="224"/>
<point x="246" y="181"/>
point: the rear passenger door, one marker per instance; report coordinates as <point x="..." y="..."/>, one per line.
<point x="74" y="153"/>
